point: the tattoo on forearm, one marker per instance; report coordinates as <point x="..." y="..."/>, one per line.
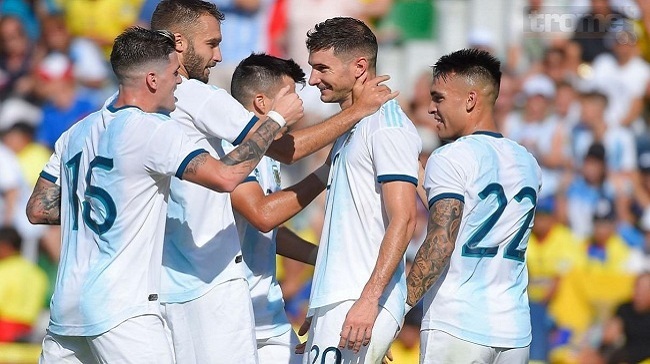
<point x="436" y="250"/>
<point x="45" y="203"/>
<point x="195" y="164"/>
<point x="252" y="150"/>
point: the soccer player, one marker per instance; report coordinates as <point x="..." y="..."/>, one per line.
<point x="261" y="206"/>
<point x="107" y="183"/>
<point x="206" y="298"/>
<point x="482" y="191"/>
<point x="358" y="289"/>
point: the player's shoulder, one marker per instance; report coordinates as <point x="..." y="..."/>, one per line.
<point x="200" y="90"/>
<point x="390" y="116"/>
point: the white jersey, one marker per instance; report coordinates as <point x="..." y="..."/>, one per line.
<point x="114" y="168"/>
<point x="481" y="297"/>
<point x="201" y="242"/>
<point x="382" y="147"/>
<point x="619" y="143"/>
<point x="259" y="251"/>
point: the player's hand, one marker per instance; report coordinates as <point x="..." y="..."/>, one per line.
<point x="289" y="105"/>
<point x="369" y="95"/>
<point x="304" y="328"/>
<point x="357" y="327"/>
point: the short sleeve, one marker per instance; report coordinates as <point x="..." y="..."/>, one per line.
<point x="443" y="179"/>
<point x="395" y="154"/>
<point x="52" y="169"/>
<point x="223" y="117"/>
<point x="170" y="150"/>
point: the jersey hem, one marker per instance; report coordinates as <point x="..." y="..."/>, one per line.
<point x="439" y="197"/>
<point x="187" y="160"/>
<point x="186" y="296"/>
<point x="492" y="341"/>
<point x="240" y="138"/>
<point x="46" y="176"/>
<point x="103" y="326"/>
<point x="397" y="177"/>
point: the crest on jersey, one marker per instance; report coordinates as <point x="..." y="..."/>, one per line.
<point x="276" y="175"/>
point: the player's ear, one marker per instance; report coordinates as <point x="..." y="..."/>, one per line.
<point x="181" y="42"/>
<point x="472" y="99"/>
<point x="151" y="81"/>
<point x="360" y="66"/>
<point x="260" y="104"/>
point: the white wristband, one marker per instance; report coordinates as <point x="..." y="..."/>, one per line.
<point x="275" y="116"/>
<point x="323" y="173"/>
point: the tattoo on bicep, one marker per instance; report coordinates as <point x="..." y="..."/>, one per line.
<point x="252" y="150"/>
<point x="45" y="202"/>
<point x="195" y="164"/>
<point x="434" y="254"/>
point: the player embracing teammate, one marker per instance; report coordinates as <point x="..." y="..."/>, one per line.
<point x="166" y="121"/>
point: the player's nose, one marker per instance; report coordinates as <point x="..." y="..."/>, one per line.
<point x="216" y="54"/>
<point x="433" y="108"/>
<point x="313" y="78"/>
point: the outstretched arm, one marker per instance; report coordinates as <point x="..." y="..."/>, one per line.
<point x="297" y="144"/>
<point x="266" y="212"/>
<point x="44" y="205"/>
<point x="225" y="174"/>
<point x="292" y="246"/>
<point x="434" y="254"/>
<point x="399" y="200"/>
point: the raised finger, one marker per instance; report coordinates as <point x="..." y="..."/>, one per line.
<point x="391" y="96"/>
<point x="379" y="79"/>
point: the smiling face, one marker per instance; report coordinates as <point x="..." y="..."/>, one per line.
<point x="449" y="107"/>
<point x="202" y="50"/>
<point x="333" y="76"/>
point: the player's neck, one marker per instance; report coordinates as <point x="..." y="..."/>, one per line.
<point x="129" y="97"/>
<point x="349" y="99"/>
<point x="483" y="121"/>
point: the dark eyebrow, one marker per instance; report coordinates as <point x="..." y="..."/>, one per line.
<point x="436" y="93"/>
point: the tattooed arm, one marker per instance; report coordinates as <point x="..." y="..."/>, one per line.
<point x="434" y="254"/>
<point x="225" y="174"/>
<point x="44" y="206"/>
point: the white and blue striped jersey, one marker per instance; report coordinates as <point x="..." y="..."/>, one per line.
<point x="382" y="147"/>
<point x="201" y="243"/>
<point x="259" y="251"/>
<point x="114" y="168"/>
<point x="481" y="296"/>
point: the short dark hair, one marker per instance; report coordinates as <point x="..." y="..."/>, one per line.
<point x="262" y="73"/>
<point x="345" y="36"/>
<point x="10" y="235"/>
<point x="179" y="15"/>
<point x="137" y="46"/>
<point x="474" y="64"/>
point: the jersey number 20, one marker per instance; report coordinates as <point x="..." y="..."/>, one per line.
<point x="97" y="193"/>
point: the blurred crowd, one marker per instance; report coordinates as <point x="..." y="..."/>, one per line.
<point x="577" y="99"/>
